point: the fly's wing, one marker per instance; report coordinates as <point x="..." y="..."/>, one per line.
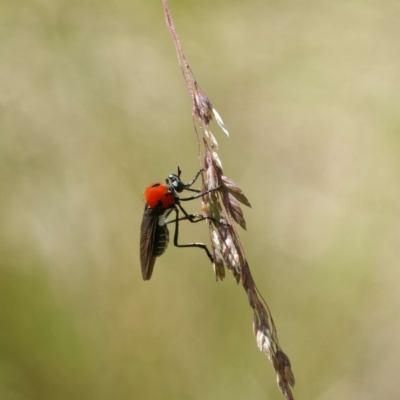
<point x="148" y="232"/>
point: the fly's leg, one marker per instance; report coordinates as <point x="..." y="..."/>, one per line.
<point x="188" y="186"/>
<point x="200" y="194"/>
<point x="191" y="219"/>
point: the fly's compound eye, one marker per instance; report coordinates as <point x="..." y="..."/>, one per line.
<point x="176" y="183"/>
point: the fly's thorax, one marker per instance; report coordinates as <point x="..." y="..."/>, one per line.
<point x="159" y="196"/>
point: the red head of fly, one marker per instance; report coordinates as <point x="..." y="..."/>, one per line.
<point x="161" y="200"/>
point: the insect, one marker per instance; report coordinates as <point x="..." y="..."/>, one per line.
<point x="161" y="200"/>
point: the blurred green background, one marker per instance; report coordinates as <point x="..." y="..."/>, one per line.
<point x="93" y="108"/>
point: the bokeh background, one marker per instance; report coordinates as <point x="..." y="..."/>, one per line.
<point x="93" y="108"/>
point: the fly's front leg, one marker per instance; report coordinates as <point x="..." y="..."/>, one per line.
<point x="188" y="186"/>
<point x="194" y="179"/>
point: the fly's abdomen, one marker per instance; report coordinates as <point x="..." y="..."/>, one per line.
<point x="161" y="240"/>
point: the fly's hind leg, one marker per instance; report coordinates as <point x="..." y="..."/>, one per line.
<point x="191" y="219"/>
